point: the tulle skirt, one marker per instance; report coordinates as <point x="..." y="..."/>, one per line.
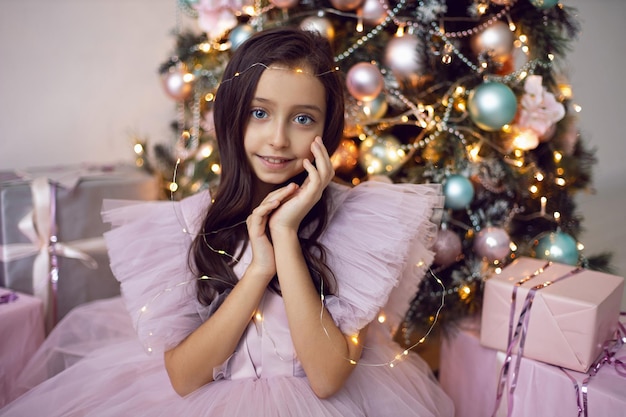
<point x="92" y="364"/>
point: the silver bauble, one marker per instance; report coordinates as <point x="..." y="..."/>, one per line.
<point x="319" y="24"/>
<point x="402" y="56"/>
<point x="496" y="41"/>
<point x="382" y="155"/>
<point x="364" y="81"/>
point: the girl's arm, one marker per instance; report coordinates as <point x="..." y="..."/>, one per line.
<point x="325" y="353"/>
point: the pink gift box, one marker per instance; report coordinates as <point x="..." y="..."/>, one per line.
<point x="21" y="333"/>
<point x="569" y="320"/>
<point x="468" y="373"/>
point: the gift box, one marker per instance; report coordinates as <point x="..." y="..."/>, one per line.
<point x="573" y="311"/>
<point x="21" y="334"/>
<point x="469" y="374"/>
<point x="51" y="230"/>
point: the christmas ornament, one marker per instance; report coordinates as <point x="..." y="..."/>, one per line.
<point x="373" y="12"/>
<point x="539" y="109"/>
<point x="491" y="105"/>
<point x="402" y="56"/>
<point x="557" y="247"/>
<point x="319" y="24"/>
<point x="285" y="4"/>
<point x="492" y="243"/>
<point x="346" y="5"/>
<point x="544" y="4"/>
<point x="447" y="247"/>
<point x="177" y="82"/>
<point x="364" y="81"/>
<point x="239" y="35"/>
<point x="458" y="191"/>
<point x="382" y="155"/>
<point x="373" y="109"/>
<point x="496" y="41"/>
<point x="346" y="156"/>
<point x="217" y="17"/>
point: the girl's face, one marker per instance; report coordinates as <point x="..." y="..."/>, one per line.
<point x="287" y="112"/>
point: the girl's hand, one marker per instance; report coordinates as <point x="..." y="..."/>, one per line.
<point x="292" y="211"/>
<point x="262" y="250"/>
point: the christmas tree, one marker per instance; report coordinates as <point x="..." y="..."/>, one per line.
<point x="466" y="93"/>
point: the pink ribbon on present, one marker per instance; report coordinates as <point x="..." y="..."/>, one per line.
<point x="518" y="337"/>
<point x="39" y="226"/>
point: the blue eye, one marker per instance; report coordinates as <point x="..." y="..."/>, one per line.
<point x="259" y="113"/>
<point x="304" y="119"/>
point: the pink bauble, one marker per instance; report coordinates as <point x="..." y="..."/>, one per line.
<point x="319" y="24"/>
<point x="447" y="247"/>
<point x="364" y="81"/>
<point x="177" y="83"/>
<point x="285" y="4"/>
<point x="346" y="5"/>
<point x="373" y="11"/>
<point x="495" y="40"/>
<point x="492" y="243"/>
<point x="402" y="56"/>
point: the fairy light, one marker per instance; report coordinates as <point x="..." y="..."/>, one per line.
<point x="580" y="246"/>
<point x="543" y="201"/>
<point x="216" y="168"/>
<point x="560" y="181"/>
<point x="173" y="187"/>
<point x="533" y="189"/>
<point x="557" y="156"/>
<point x="513" y="246"/>
<point x="557" y="216"/>
<point x="577" y="108"/>
<point x="138" y="148"/>
<point x="381" y="318"/>
<point x="539" y="176"/>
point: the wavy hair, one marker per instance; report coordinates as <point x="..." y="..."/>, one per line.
<point x="224" y="226"/>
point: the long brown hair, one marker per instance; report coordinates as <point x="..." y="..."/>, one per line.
<point x="224" y="226"/>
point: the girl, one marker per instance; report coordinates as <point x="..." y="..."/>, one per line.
<point x="260" y="299"/>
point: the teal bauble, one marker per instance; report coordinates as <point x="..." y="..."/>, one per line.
<point x="544" y="4"/>
<point x="557" y="247"/>
<point x="239" y="34"/>
<point x="458" y="192"/>
<point x="492" y="105"/>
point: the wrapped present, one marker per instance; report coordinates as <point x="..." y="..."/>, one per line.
<point x="51" y="241"/>
<point x="560" y="315"/>
<point x="469" y="374"/>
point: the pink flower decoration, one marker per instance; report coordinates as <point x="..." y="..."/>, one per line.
<point x="539" y="109"/>
<point x="215" y="17"/>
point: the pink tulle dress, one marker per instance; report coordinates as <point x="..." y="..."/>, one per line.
<point x="106" y="358"/>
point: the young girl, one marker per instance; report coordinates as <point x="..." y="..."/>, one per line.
<point x="262" y="298"/>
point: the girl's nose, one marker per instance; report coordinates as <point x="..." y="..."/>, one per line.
<point x="280" y="136"/>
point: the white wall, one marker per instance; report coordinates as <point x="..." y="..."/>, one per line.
<point x="78" y="78"/>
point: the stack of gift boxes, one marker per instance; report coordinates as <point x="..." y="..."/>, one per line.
<point x="549" y="342"/>
<point x="51" y="243"/>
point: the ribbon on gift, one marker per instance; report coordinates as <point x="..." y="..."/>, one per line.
<point x="607" y="357"/>
<point x="518" y="337"/>
<point x="39" y="226"/>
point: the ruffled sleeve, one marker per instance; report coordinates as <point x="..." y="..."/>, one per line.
<point x="378" y="246"/>
<point x="148" y="250"/>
